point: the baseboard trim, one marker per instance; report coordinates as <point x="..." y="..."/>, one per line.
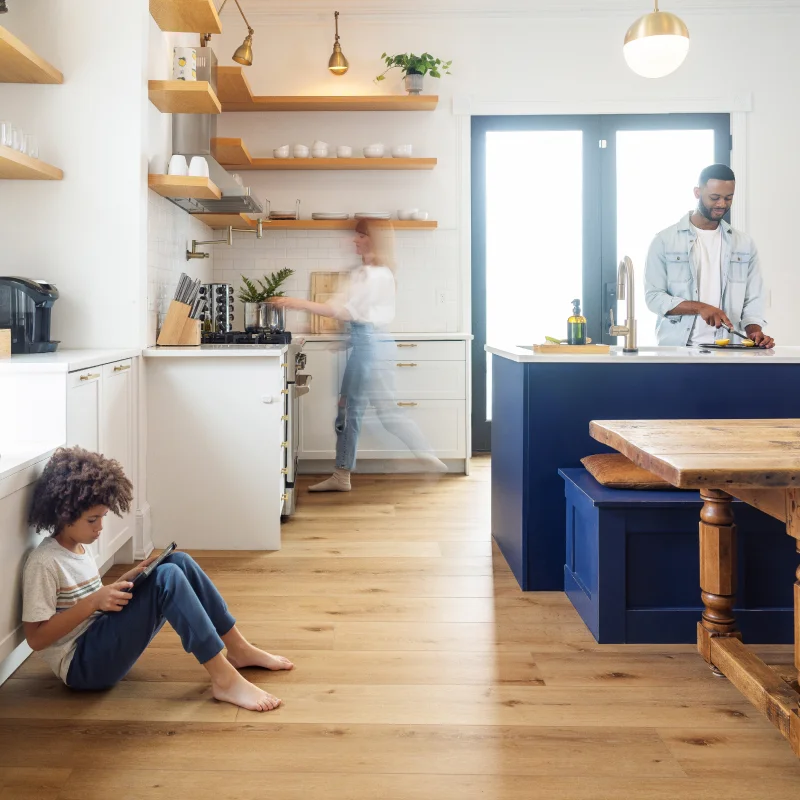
<point x="143" y="541"/>
<point x="14" y="661"/>
<point x="379" y="466"/>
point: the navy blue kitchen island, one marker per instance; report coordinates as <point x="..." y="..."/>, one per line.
<point x="542" y="406"/>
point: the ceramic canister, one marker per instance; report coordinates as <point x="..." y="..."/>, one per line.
<point x="184" y="64"/>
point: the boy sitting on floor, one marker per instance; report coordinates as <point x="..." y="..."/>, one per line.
<point x="64" y="599"/>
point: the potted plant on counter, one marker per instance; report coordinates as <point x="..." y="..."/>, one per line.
<point x="415" y="68"/>
<point x="259" y="313"/>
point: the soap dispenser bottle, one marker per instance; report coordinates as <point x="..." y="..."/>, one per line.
<point x="576" y="325"/>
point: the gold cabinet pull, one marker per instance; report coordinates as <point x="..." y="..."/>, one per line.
<point x="285" y="471"/>
<point x="284" y="497"/>
<point x="285" y="418"/>
<point x="90" y="376"/>
<point x="284" y="445"/>
<point x="122" y="367"/>
<point x="407" y="365"/>
<point x="408" y="404"/>
<point x="284" y="391"/>
<point x="285" y="364"/>
<point x="405" y="344"/>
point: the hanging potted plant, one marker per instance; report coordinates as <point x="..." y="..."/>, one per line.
<point x="259" y="313"/>
<point x="415" y="68"/>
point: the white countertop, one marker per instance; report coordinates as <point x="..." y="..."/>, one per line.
<point x="18" y="457"/>
<point x="218" y="351"/>
<point x="654" y="355"/>
<point x="64" y="360"/>
<point x="393" y="337"/>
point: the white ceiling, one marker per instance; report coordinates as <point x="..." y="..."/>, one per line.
<point x="262" y="9"/>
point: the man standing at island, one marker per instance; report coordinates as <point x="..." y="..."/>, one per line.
<point x="702" y="274"/>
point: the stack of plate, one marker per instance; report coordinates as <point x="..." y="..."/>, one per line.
<point x="279" y="215"/>
<point x="373" y="215"/>
<point x="330" y="215"/>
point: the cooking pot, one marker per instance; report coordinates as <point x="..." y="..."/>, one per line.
<point x="266" y="316"/>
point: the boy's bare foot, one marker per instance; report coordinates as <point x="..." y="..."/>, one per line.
<point x="240" y="692"/>
<point x="251" y="656"/>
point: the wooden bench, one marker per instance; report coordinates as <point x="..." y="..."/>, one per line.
<point x="632" y="565"/>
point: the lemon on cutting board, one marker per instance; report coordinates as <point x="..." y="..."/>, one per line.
<point x="748" y="343"/>
<point x="722" y="342"/>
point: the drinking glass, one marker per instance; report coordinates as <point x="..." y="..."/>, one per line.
<point x="16" y="139"/>
<point x="30" y="146"/>
<point x="6" y="138"/>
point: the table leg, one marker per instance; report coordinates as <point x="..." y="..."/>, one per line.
<point x="717" y="570"/>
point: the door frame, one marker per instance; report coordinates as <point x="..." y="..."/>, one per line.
<point x="464" y="108"/>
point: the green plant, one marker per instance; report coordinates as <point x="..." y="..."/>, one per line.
<point x="410" y="64"/>
<point x="267" y="286"/>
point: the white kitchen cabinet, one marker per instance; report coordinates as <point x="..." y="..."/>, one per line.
<point x="100" y="419"/>
<point x="318" y="407"/>
<point x="424" y="382"/>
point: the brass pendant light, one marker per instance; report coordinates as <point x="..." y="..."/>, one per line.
<point x="244" y="52"/>
<point x="656" y="44"/>
<point x="337" y="63"/>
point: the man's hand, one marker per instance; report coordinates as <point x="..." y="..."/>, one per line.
<point x="113" y="597"/>
<point x="713" y="316"/>
<point x="759" y="337"/>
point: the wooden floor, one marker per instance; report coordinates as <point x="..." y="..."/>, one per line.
<point x="422" y="673"/>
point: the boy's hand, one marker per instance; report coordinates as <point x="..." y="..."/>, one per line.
<point x="113" y="597"/>
<point x="132" y="573"/>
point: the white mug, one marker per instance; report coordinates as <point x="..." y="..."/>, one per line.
<point x="198" y="167"/>
<point x="178" y="165"/>
<point x="184" y="64"/>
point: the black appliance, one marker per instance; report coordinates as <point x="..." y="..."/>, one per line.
<point x="25" y="307"/>
<point x="240" y="337"/>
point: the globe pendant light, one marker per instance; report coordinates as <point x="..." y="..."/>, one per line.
<point x="337" y="63"/>
<point x="656" y="44"/>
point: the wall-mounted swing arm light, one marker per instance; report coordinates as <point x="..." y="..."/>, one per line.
<point x="228" y="240"/>
<point x="337" y="63"/>
<point x="244" y="52"/>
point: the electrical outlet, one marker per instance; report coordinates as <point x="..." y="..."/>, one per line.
<point x="441" y="297"/>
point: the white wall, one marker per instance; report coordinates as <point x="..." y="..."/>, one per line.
<point x="561" y="63"/>
<point x="85" y="233"/>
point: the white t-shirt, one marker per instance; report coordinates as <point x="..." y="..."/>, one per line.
<point x="53" y="580"/>
<point x="371" y="298"/>
<point x="707" y="255"/>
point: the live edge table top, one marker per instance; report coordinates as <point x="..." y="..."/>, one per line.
<point x="711" y="454"/>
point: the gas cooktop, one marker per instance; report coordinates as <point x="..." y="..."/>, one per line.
<point x="240" y="337"/>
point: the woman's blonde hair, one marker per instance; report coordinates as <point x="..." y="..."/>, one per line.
<point x="381" y="234"/>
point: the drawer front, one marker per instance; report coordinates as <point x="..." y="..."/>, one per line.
<point x="116" y="367"/>
<point x="420" y="380"/>
<point x="403" y="350"/>
<point x="441" y="423"/>
<point x="85" y="376"/>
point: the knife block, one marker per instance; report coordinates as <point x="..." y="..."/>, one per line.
<point x="178" y="329"/>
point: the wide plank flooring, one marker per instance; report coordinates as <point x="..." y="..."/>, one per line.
<point x="423" y="672"/>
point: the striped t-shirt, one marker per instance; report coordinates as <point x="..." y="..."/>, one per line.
<point x="55" y="579"/>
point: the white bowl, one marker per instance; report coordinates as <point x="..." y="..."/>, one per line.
<point x="281" y="152"/>
<point x="319" y="152"/>
<point x="406" y="214"/>
<point x="374" y="151"/>
<point x="402" y="151"/>
<point x="419" y="216"/>
<point x="343" y="151"/>
<point x="300" y="151"/>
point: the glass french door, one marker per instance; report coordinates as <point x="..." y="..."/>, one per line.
<point x="556" y="203"/>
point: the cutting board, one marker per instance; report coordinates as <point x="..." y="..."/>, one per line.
<point x="572" y="349"/>
<point x="324" y="287"/>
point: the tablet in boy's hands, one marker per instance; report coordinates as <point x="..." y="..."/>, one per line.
<point x="150" y="568"/>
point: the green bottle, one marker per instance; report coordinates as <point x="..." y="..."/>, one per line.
<point x="576" y="325"/>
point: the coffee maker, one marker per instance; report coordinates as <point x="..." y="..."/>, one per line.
<point x="25" y="307"/>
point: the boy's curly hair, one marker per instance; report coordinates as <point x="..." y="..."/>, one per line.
<point x="74" y="481"/>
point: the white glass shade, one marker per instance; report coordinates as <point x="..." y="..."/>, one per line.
<point x="656" y="56"/>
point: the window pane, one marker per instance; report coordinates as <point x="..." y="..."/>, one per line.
<point x="534" y="235"/>
<point x="656" y="173"/>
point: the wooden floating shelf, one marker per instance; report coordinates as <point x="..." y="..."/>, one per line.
<point x="19" y="64"/>
<point x="186" y="16"/>
<point x="233" y="153"/>
<point x="236" y="95"/>
<point x="183" y="97"/>
<point x="183" y="186"/>
<point x="16" y="166"/>
<point x="239" y="220"/>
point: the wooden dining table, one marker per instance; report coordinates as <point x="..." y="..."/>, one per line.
<point x="753" y="460"/>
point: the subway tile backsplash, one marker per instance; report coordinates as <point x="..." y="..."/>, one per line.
<point x="428" y="285"/>
<point x="169" y="229"/>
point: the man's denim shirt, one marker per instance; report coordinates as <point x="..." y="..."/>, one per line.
<point x="670" y="277"/>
